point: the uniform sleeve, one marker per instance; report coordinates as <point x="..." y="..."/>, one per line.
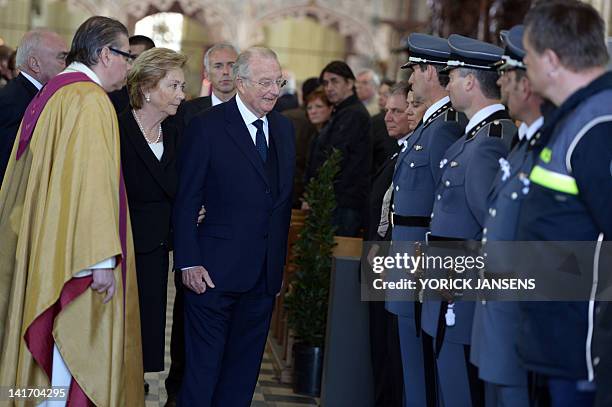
<point x="592" y="168"/>
<point x="481" y="174"/>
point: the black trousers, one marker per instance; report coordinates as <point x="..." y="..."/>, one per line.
<point x="386" y="357"/>
<point x="177" y="340"/>
<point x="152" y="274"/>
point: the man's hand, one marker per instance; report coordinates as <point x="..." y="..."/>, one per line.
<point x="201" y="214"/>
<point x="104" y="281"/>
<point x="197" y="279"/>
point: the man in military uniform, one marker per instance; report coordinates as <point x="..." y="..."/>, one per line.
<point x="496" y="324"/>
<point x="416" y="174"/>
<point x="468" y="168"/>
<point x="570" y="190"/>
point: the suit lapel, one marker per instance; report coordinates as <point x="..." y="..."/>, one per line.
<point x="29" y="86"/>
<point x="241" y="136"/>
<point x="143" y="150"/>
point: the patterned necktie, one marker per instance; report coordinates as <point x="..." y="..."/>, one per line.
<point x="260" y="140"/>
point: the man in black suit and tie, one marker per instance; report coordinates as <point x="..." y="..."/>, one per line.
<point x="237" y="159"/>
<point x="218" y="62"/>
<point x="41" y="55"/>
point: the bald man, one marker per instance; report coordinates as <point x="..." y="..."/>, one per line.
<point x="40" y="56"/>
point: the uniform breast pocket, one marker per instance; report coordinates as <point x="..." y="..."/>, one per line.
<point x="451" y="191"/>
<point x="417" y="173"/>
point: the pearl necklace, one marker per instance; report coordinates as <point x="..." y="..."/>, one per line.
<point x="159" y="132"/>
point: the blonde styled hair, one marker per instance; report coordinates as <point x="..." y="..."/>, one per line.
<point x="148" y="69"/>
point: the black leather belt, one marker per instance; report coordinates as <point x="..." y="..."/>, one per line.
<point x="412" y="221"/>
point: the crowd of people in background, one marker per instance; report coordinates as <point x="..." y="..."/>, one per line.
<point x="445" y="155"/>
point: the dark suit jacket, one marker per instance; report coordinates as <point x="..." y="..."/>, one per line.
<point x="382" y="146"/>
<point x="348" y="131"/>
<point x="14" y="99"/>
<point x="120" y="99"/>
<point x="192" y="108"/>
<point x="246" y="228"/>
<point x="150" y="184"/>
<point x="304" y="133"/>
<point x="380" y="184"/>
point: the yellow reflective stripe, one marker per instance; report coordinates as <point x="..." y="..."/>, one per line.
<point x="554" y="180"/>
<point x="546" y="155"/>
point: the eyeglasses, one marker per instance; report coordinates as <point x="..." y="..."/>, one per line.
<point x="267" y="83"/>
<point x="128" y="57"/>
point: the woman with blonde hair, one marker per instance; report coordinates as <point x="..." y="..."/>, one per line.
<point x="148" y="153"/>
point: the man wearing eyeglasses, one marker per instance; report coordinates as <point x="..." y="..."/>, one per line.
<point x="237" y="160"/>
<point x="138" y="45"/>
<point x="65" y="229"/>
<point x="40" y="56"/>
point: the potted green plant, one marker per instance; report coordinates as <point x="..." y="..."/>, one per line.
<point x="308" y="294"/>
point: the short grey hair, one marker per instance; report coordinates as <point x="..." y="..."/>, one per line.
<point x="29" y="43"/>
<point x="241" y="67"/>
<point x="375" y="77"/>
<point x="400" y="88"/>
<point x="215" y="48"/>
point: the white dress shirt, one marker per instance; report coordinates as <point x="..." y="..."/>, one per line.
<point x="528" y="131"/>
<point x="249" y="117"/>
<point x="214" y="99"/>
<point x="483" y="114"/>
<point x="432" y="109"/>
<point x="32" y="80"/>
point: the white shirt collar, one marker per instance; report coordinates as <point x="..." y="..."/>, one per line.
<point x="483" y="114"/>
<point x="528" y="131"/>
<point x="79" y="67"/>
<point x="402" y="141"/>
<point x="432" y="109"/>
<point x="31" y="79"/>
<point x="248" y="116"/>
<point x="214" y="99"/>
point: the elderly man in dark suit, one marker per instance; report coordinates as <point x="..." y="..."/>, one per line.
<point x="41" y="55"/>
<point x="237" y="160"/>
<point x="218" y="62"/>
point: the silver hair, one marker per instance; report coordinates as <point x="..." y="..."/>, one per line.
<point x="375" y="77"/>
<point x="30" y="42"/>
<point x="400" y="88"/>
<point x="241" y="67"/>
<point x="214" y="48"/>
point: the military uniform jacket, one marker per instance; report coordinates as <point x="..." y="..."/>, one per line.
<point x="468" y="168"/>
<point x="496" y="323"/>
<point x="415" y="177"/>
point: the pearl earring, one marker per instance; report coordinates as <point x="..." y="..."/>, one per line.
<point x="148" y="98"/>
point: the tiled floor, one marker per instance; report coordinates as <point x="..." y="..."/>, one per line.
<point x="269" y="392"/>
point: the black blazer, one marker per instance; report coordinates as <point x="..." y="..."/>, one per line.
<point x="14" y="100"/>
<point x="380" y="184"/>
<point x="120" y="99"/>
<point x="190" y="109"/>
<point x="150" y="184"/>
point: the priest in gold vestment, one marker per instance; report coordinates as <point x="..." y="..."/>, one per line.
<point x="68" y="296"/>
